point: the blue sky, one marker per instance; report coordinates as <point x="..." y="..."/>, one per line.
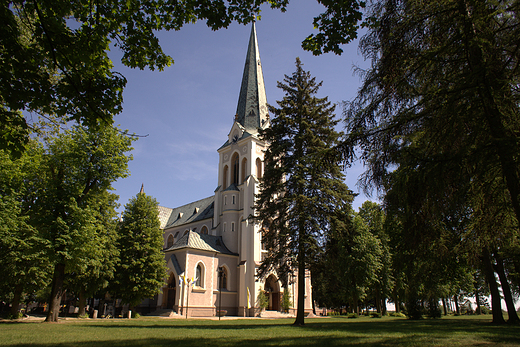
<point x="187" y="110"/>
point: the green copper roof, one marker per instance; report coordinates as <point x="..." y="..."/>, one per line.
<point x="252" y="102"/>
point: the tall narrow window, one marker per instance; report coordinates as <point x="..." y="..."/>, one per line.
<point x="258" y="168"/>
<point x="204" y="230"/>
<point x="170" y="241"/>
<point x="232" y="226"/>
<point x="244" y="170"/>
<point x="224" y="278"/>
<point x="235" y="165"/>
<point x="199" y="276"/>
<point x="224" y="177"/>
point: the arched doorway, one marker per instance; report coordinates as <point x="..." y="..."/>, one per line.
<point x="272" y="288"/>
<point x="171" y="292"/>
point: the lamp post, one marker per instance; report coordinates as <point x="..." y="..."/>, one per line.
<point x="220" y="273"/>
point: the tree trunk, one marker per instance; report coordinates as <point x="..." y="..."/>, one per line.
<point x="493" y="287"/>
<point x="444" y="306"/>
<point x="81" y="303"/>
<point x="378" y="299"/>
<point x="16" y="300"/>
<point x="300" y="313"/>
<point x="56" y="293"/>
<point x="506" y="290"/>
<point x="383" y="307"/>
<point x="456" y="301"/>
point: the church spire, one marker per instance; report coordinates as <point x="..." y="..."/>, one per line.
<point x="252" y="102"/>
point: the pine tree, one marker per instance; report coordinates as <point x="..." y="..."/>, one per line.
<point x="303" y="186"/>
<point x="141" y="271"/>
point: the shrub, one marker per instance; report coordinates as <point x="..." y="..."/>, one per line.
<point x="375" y="314"/>
<point x="353" y="315"/>
<point x="135" y="314"/>
<point x="397" y="314"/>
<point x="286" y="300"/>
<point x="262" y="299"/>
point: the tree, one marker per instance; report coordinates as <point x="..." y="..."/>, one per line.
<point x="141" y="271"/>
<point x="54" y="54"/>
<point x="441" y="101"/>
<point x="98" y="269"/>
<point x="374" y="217"/>
<point x="302" y="187"/>
<point x="80" y="166"/>
<point x="22" y="249"/>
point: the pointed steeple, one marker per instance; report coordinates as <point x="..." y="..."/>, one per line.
<point x="252" y="102"/>
<point x="142" y="189"/>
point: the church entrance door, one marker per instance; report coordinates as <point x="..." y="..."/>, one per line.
<point x="171" y="297"/>
<point x="171" y="292"/>
<point x="272" y="287"/>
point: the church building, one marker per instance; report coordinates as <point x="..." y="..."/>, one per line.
<point x="214" y="237"/>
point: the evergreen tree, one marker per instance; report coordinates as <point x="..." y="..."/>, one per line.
<point x="141" y="271"/>
<point x="303" y="186"/>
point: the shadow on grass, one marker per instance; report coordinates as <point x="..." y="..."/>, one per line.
<point x="316" y="332"/>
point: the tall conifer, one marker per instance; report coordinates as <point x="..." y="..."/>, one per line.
<point x="141" y="271"/>
<point x="302" y="187"/>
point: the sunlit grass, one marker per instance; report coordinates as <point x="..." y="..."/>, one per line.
<point x="338" y="331"/>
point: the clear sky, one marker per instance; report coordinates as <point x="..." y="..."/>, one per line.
<point x="187" y="110"/>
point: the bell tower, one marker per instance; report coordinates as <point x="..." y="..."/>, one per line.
<point x="240" y="169"/>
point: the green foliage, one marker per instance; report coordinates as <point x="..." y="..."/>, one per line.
<point x="286" y="300"/>
<point x="55" y="54"/>
<point x="262" y="299"/>
<point x="23" y="250"/>
<point x="302" y="187"/>
<point x="141" y="271"/>
<point x="352" y="315"/>
<point x="436" y="121"/>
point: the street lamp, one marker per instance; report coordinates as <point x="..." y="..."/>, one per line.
<point x="220" y="274"/>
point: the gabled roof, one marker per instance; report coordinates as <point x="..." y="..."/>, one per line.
<point x="252" y="101"/>
<point x="189" y="213"/>
<point x="194" y="240"/>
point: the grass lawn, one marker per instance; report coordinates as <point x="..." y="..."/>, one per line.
<point x="338" y="331"/>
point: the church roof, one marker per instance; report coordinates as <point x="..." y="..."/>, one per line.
<point x="203" y="242"/>
<point x="192" y="212"/>
<point x="252" y="101"/>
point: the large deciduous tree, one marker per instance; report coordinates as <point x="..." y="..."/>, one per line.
<point x="141" y="271"/>
<point x="80" y="165"/>
<point x="302" y="187"/>
<point x="23" y="251"/>
<point x="441" y="104"/>
<point x="54" y="54"/>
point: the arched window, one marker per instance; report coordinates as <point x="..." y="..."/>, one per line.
<point x="224" y="178"/>
<point x="199" y="275"/>
<point x="244" y="170"/>
<point x="224" y="277"/>
<point x="235" y="167"/>
<point x="258" y="168"/>
<point x="204" y="230"/>
<point x="170" y="241"/>
<point x="187" y="231"/>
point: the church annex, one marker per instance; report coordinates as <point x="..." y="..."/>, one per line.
<point x="214" y="233"/>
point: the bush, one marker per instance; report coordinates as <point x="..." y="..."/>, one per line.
<point x="397" y="314"/>
<point x="375" y="314"/>
<point x="135" y="314"/>
<point x="353" y="315"/>
<point x="262" y="299"/>
<point x="286" y="300"/>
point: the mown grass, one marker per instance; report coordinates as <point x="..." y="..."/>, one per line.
<point x="337" y="331"/>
